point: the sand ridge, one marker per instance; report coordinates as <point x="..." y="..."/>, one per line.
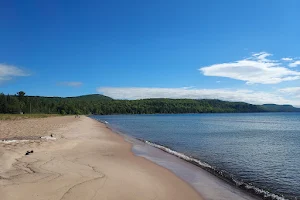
<point x="87" y="161"/>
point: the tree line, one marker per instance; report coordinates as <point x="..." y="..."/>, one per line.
<point x="102" y="105"/>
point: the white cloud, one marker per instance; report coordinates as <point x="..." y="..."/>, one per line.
<point x="261" y="56"/>
<point x="223" y="94"/>
<point x="287" y="59"/>
<point x="7" y="72"/>
<point x="189" y="87"/>
<point x="295" y="64"/>
<point x="256" y="69"/>
<point x="292" y="91"/>
<point x="70" y="83"/>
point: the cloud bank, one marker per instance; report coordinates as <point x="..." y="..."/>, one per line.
<point x="255" y="69"/>
<point x="7" y="72"/>
<point x="249" y="96"/>
<point x="295" y="64"/>
<point x="287" y="59"/>
<point x="291" y="91"/>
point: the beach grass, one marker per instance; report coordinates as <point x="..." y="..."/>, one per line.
<point x="25" y="116"/>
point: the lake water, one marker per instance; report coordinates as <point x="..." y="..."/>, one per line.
<point x="259" y="152"/>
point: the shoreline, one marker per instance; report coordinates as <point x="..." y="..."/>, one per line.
<point x="248" y="190"/>
<point x="87" y="161"/>
<point x="186" y="170"/>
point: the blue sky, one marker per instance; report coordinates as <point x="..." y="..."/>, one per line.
<point x="231" y="50"/>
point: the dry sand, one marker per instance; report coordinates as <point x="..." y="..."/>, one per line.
<point x="87" y="161"/>
<point x="31" y="128"/>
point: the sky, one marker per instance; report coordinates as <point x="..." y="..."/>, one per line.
<point x="233" y="50"/>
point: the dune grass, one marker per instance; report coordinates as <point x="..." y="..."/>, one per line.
<point x="24" y="116"/>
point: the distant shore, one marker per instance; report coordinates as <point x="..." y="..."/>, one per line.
<point x="78" y="158"/>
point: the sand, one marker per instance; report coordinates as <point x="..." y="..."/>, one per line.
<point x="32" y="128"/>
<point x="86" y="160"/>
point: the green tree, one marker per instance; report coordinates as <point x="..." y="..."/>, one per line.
<point x="21" y="94"/>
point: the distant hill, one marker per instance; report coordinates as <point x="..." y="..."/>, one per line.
<point x="279" y="108"/>
<point x="89" y="97"/>
<point x="92" y="97"/>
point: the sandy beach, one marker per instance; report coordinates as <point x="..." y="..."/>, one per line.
<point x="83" y="160"/>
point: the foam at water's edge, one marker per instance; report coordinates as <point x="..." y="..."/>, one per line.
<point x="220" y="173"/>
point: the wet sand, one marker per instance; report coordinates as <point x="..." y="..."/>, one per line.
<point x="83" y="160"/>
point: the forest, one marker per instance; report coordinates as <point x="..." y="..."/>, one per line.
<point x="103" y="105"/>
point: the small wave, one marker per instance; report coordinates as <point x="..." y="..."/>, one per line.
<point x="221" y="174"/>
<point x="101" y="121"/>
<point x="180" y="155"/>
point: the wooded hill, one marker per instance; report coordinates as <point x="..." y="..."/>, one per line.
<point x="103" y="105"/>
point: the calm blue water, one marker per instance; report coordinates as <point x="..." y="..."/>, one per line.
<point x="261" y="149"/>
